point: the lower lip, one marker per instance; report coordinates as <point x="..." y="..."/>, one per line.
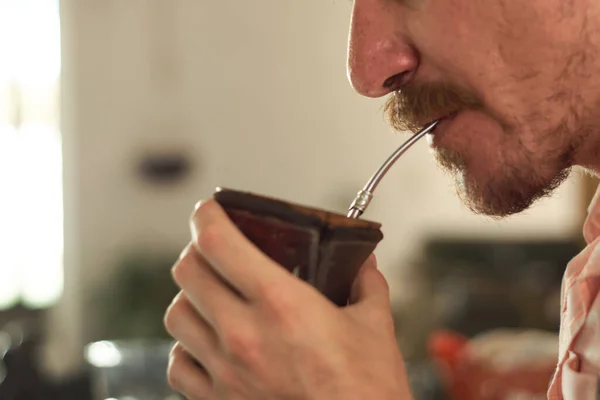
<point x="434" y="137"/>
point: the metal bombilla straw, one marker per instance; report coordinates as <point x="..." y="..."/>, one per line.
<point x="364" y="196"/>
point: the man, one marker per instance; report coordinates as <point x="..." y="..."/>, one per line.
<point x="514" y="81"/>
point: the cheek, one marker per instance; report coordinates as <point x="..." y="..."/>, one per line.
<point x="469" y="42"/>
<point x="456" y="43"/>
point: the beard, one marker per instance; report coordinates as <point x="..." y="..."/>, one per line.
<point x="506" y="180"/>
<point x="505" y="191"/>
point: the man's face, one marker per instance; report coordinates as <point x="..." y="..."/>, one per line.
<point x="510" y="75"/>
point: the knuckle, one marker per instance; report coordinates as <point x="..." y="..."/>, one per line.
<point x="174" y="314"/>
<point x="226" y="376"/>
<point x="276" y="297"/>
<point x="174" y="367"/>
<point x="170" y="322"/>
<point x="175" y="352"/>
<point x="172" y="377"/>
<point x="281" y="304"/>
<point x="182" y="269"/>
<point x="242" y="345"/>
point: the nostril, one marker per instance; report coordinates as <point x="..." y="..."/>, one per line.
<point x="395" y="82"/>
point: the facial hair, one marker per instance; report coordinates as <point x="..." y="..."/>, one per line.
<point x="514" y="180"/>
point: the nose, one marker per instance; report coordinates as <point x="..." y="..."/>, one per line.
<point x="380" y="59"/>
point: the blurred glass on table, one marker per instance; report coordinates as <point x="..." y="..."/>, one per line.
<point x="130" y="370"/>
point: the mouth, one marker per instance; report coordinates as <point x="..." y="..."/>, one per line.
<point x="441" y="120"/>
<point x="434" y="137"/>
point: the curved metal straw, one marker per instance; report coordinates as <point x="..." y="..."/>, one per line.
<point x="364" y="196"/>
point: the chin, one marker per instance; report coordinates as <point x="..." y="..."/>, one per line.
<point x="504" y="190"/>
<point x="494" y="176"/>
<point x="494" y="198"/>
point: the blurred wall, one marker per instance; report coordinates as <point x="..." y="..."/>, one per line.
<point x="257" y="92"/>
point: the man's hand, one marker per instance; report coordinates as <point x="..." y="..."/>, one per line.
<point x="248" y="329"/>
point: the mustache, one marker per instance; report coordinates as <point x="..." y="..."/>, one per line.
<point x="415" y="105"/>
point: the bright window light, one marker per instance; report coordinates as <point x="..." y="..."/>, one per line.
<point x="31" y="210"/>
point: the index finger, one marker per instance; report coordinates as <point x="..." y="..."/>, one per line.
<point x="231" y="254"/>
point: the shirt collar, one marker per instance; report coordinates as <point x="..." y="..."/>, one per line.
<point x="591" y="227"/>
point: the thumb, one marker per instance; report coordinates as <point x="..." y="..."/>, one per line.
<point x="370" y="285"/>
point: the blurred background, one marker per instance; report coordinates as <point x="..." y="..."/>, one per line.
<point x="116" y="117"/>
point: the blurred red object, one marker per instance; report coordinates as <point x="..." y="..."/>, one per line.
<point x="498" y="365"/>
